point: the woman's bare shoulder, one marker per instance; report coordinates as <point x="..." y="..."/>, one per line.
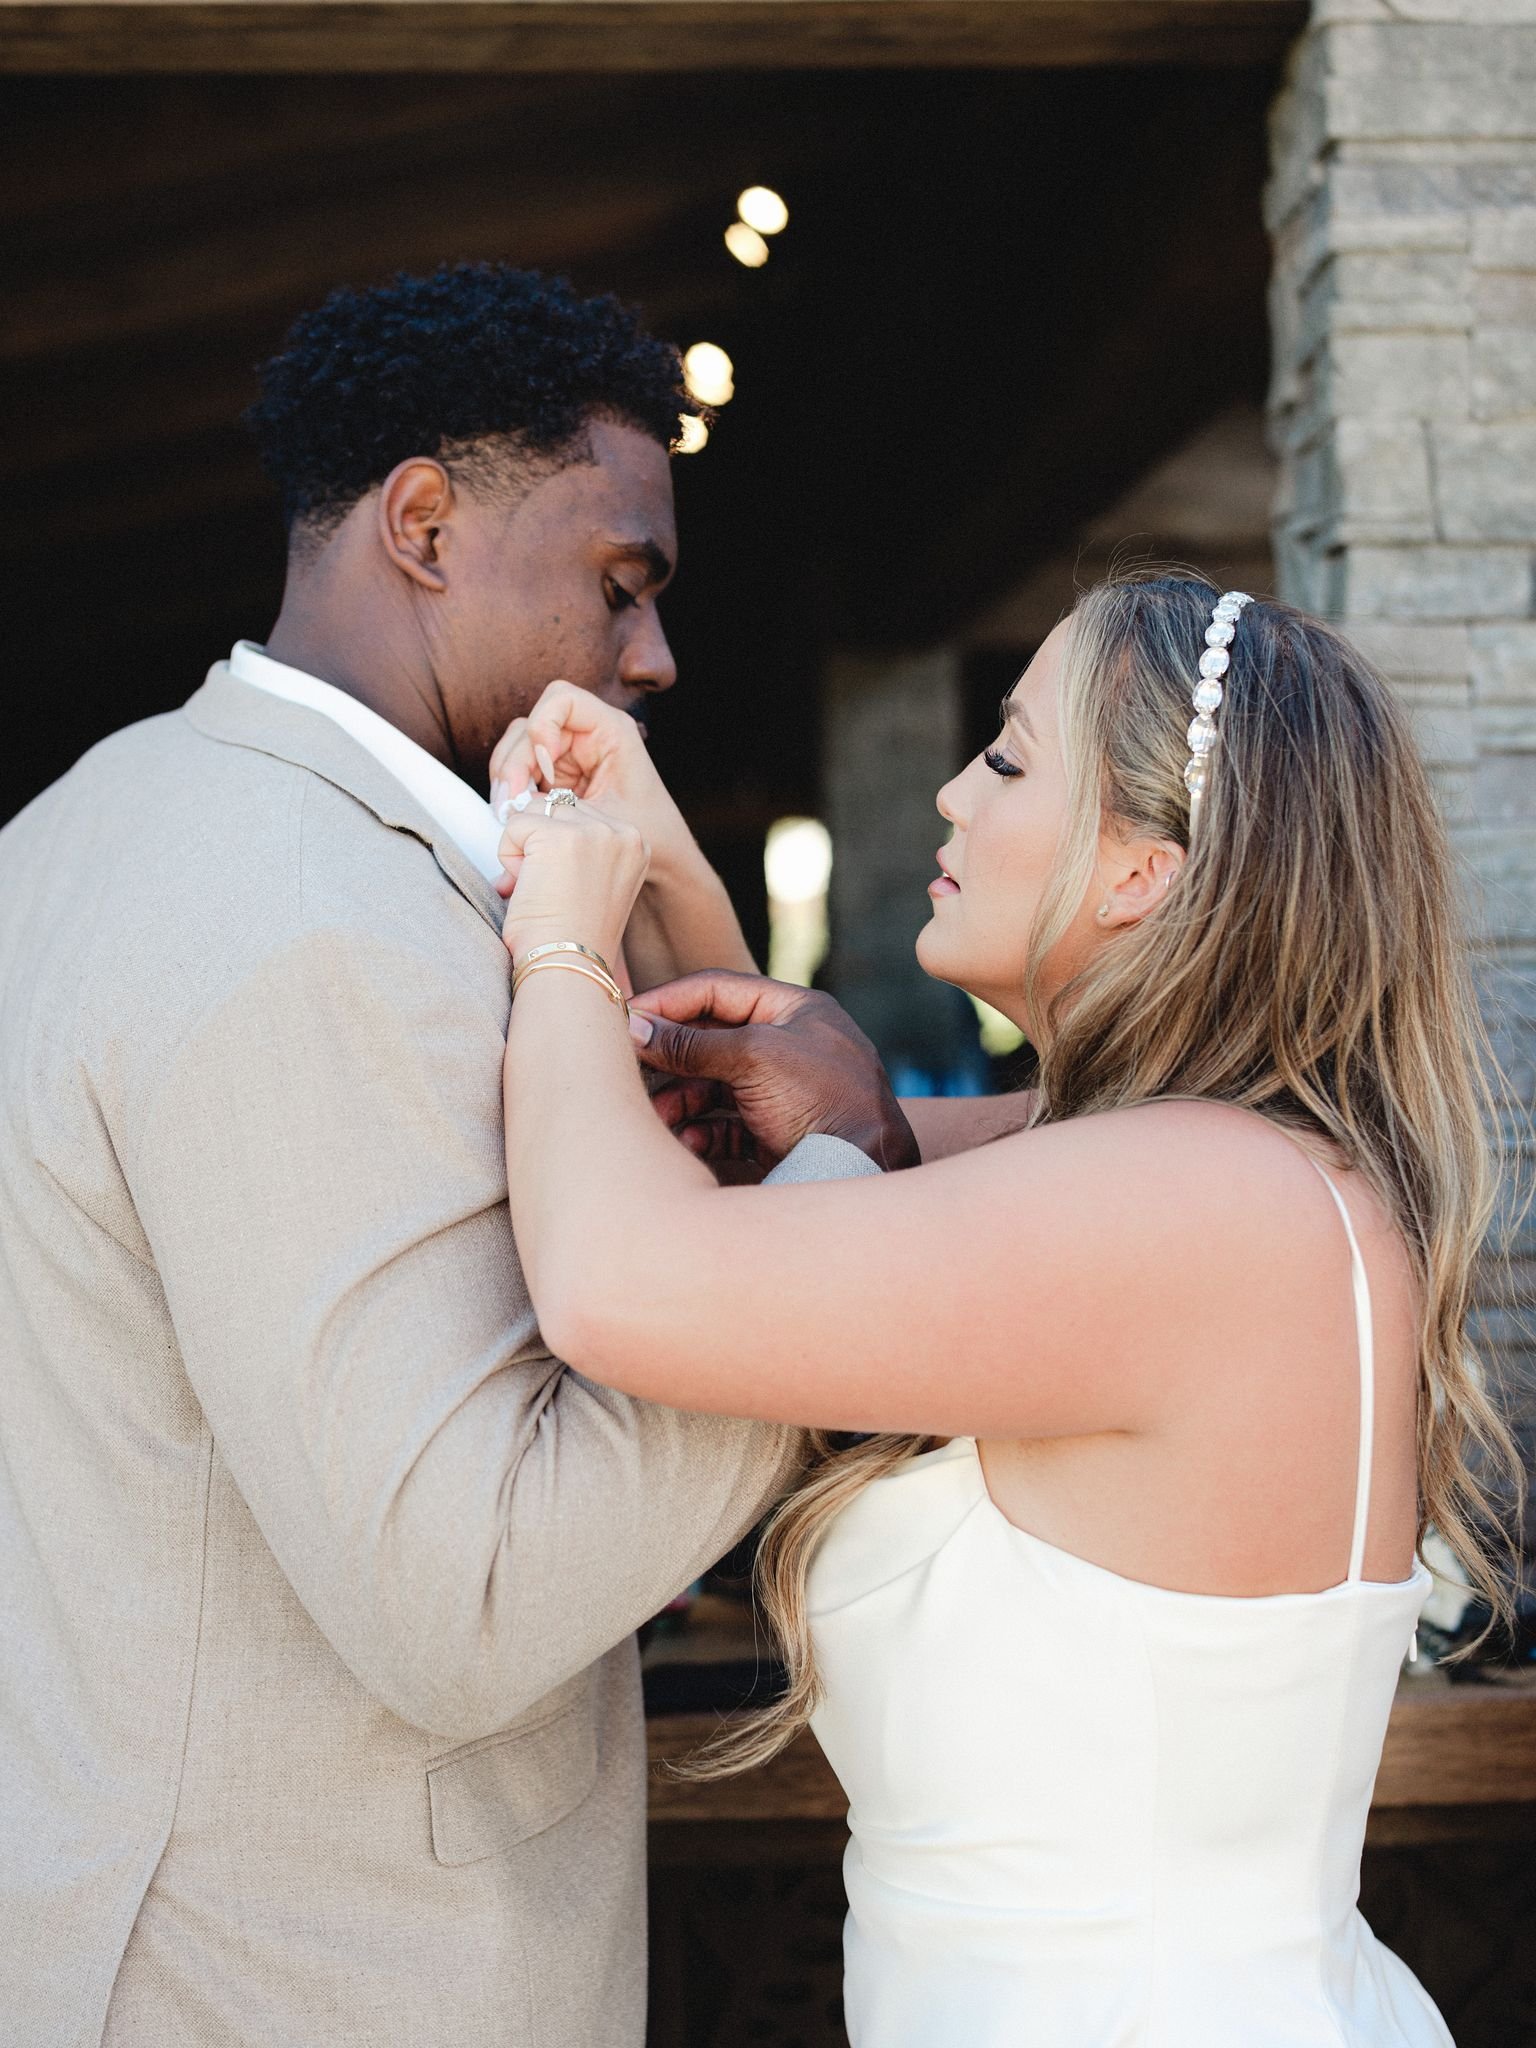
<point x="1191" y="1146"/>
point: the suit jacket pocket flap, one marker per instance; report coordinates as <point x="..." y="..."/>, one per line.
<point x="501" y="1791"/>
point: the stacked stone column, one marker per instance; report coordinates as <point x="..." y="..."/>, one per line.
<point x="1403" y="409"/>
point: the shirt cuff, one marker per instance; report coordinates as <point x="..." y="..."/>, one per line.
<point x="821" y="1157"/>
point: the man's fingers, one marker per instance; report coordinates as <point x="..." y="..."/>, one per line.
<point x="718" y="1139"/>
<point x="685" y="1101"/>
<point x="691" y="1049"/>
<point x="718" y="997"/>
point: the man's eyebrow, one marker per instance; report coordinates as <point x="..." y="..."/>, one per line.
<point x="658" y="563"/>
<point x="1014" y="713"/>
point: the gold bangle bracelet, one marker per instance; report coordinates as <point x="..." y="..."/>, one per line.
<point x="575" y="966"/>
<point x="603" y="981"/>
<point x="565" y="946"/>
<point x="609" y="988"/>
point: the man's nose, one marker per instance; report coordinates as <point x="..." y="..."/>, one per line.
<point x="647" y="662"/>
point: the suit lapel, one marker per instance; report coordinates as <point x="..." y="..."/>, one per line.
<point x="227" y="709"/>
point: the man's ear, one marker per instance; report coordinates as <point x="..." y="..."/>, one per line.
<point x="416" y="501"/>
<point x="1145" y="871"/>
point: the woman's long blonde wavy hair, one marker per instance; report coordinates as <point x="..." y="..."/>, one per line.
<point x="1311" y="965"/>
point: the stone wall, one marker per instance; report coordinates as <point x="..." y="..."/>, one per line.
<point x="1403" y="408"/>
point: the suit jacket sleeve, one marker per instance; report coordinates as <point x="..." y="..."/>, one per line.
<point x="321" y="1175"/>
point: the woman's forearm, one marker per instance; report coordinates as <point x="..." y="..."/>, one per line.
<point x="588" y="1162"/>
<point x="683" y="922"/>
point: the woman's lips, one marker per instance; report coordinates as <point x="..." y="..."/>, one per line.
<point x="943" y="884"/>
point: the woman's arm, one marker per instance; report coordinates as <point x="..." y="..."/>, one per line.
<point x="683" y="920"/>
<point x="1004" y="1293"/>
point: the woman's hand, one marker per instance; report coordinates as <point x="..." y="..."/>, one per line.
<point x="574" y="873"/>
<point x="792" y="1060"/>
<point x="573" y="740"/>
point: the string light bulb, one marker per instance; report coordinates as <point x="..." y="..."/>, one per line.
<point x="797" y="860"/>
<point x="762" y="208"/>
<point x="746" y="245"/>
<point x="709" y="374"/>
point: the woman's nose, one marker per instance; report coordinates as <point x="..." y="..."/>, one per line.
<point x="948" y="801"/>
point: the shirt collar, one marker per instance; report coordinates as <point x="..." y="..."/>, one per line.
<point x="446" y="798"/>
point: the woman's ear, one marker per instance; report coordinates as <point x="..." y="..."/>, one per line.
<point x="1136" y="880"/>
<point x="415" y="504"/>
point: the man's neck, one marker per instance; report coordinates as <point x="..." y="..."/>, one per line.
<point x="368" y="666"/>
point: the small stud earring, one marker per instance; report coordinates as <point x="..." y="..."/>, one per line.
<point x="1103" y="910"/>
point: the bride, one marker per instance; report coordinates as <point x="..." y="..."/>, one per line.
<point x="1100" y="1627"/>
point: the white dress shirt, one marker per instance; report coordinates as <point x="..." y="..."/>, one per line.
<point x="446" y="798"/>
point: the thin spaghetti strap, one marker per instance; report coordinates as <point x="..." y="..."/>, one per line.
<point x="1364" y="1337"/>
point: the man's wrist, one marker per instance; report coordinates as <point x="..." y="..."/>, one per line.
<point x="889" y="1140"/>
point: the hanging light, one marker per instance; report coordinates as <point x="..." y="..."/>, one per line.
<point x="746" y="245"/>
<point x="692" y="435"/>
<point x="762" y="208"/>
<point x="709" y="374"/>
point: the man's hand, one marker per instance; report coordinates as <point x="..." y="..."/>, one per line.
<point x="791" y="1060"/>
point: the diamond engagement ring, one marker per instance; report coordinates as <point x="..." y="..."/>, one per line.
<point x="559" y="799"/>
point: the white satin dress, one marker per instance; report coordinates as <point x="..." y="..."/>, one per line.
<point x="1088" y="1812"/>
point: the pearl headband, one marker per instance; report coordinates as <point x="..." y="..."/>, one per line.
<point x="1214" y="663"/>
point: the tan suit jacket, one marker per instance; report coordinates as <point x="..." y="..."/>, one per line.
<point x="319" y="1704"/>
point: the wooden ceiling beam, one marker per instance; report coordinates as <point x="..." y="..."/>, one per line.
<point x="223" y="272"/>
<point x="488" y="36"/>
<point x="153" y="135"/>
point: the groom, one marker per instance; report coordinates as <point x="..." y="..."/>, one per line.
<point x="319" y="1704"/>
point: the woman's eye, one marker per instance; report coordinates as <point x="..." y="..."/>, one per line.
<point x="1000" y="763"/>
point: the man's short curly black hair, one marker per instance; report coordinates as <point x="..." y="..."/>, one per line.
<point x="476" y="353"/>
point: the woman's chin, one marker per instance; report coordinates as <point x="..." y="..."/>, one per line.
<point x="937" y="960"/>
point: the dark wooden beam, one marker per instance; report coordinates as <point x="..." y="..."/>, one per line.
<point x="135" y="138"/>
<point x="216" y="270"/>
<point x="486" y="36"/>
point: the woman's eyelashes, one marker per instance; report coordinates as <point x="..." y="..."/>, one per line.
<point x="1000" y="764"/>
